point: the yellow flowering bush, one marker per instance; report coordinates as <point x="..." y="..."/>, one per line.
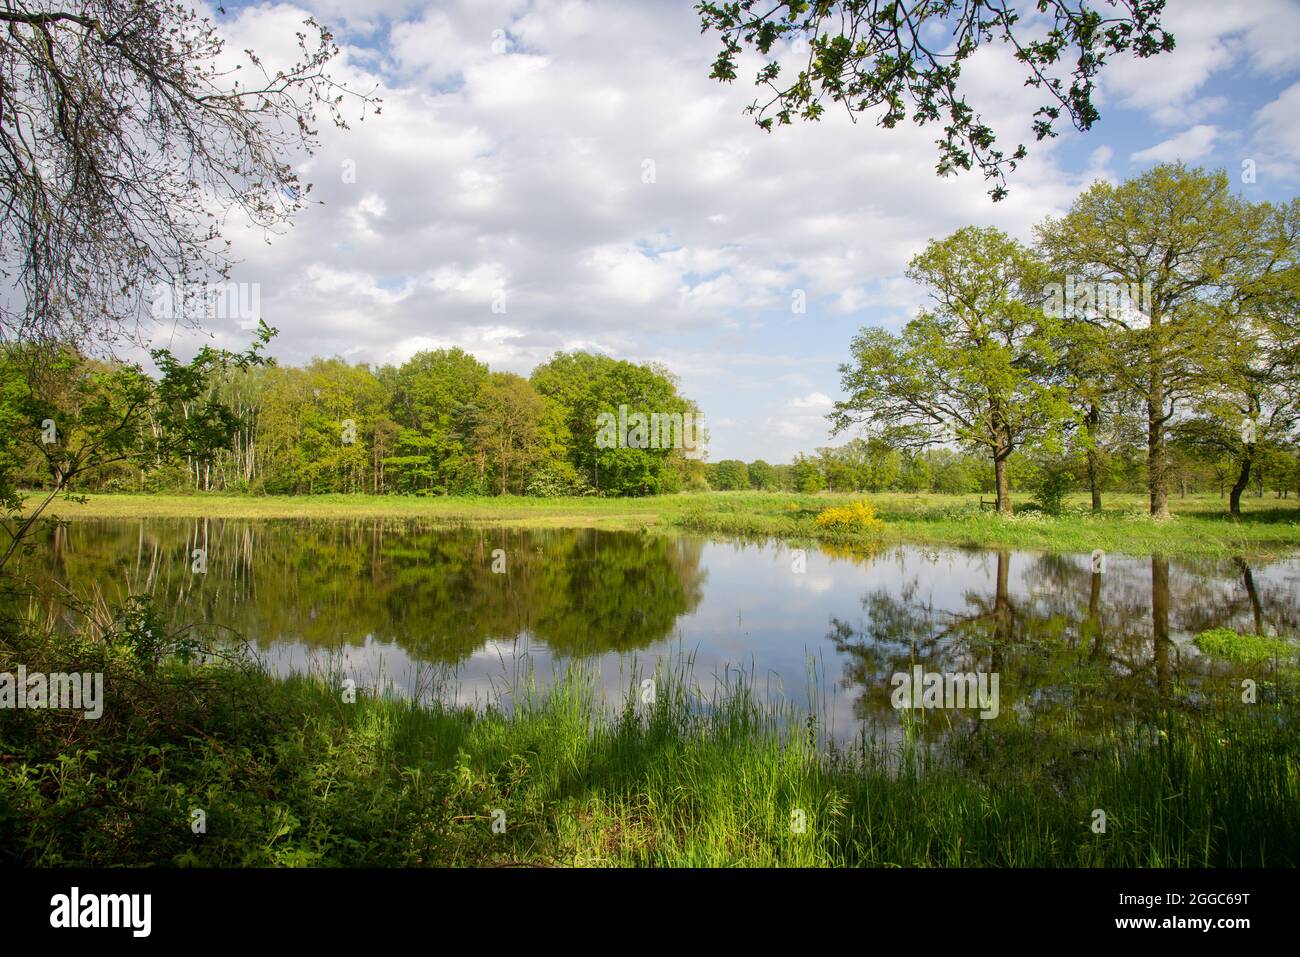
<point x="859" y="517"/>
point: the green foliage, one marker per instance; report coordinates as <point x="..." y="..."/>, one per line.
<point x="730" y="475"/>
<point x="77" y="417"/>
<point x="433" y="403"/>
<point x="440" y="424"/>
<point x="556" y="481"/>
<point x="1215" y="275"/>
<point x="1051" y="485"/>
<point x="872" y="55"/>
<point x="974" y="369"/>
<point x="515" y="430"/>
<point x="952" y="473"/>
<point x="586" y="386"/>
<point x="762" y="476"/>
<point x="1225" y="644"/>
<point x="914" y="474"/>
<point x="686" y="475"/>
<point x="972" y="396"/>
<point x="805" y="476"/>
<point x="879" y="464"/>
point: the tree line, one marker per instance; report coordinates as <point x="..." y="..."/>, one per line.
<point x="441" y="423"/>
<point x="872" y="466"/>
<point x="1147" y="339"/>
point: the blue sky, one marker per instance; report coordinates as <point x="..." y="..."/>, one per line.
<point x="509" y="166"/>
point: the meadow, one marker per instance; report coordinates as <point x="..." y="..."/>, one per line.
<point x="1200" y="524"/>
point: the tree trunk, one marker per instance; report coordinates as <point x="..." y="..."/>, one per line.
<point x="1094" y="466"/>
<point x="1094" y="616"/>
<point x="1003" y="615"/>
<point x="1000" y="484"/>
<point x="1243" y="479"/>
<point x="1256" y="608"/>
<point x="1157" y="477"/>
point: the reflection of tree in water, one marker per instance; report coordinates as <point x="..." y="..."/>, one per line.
<point x="1097" y="628"/>
<point x="432" y="591"/>
<point x="904" y="628"/>
<point x="1230" y="592"/>
<point x="1067" y="640"/>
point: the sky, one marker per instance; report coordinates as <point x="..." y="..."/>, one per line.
<point x="562" y="174"/>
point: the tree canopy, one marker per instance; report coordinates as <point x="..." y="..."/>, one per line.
<point x="865" y="55"/>
<point x="128" y="139"/>
<point x="972" y="368"/>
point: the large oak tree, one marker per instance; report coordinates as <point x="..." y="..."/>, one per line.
<point x="1193" y="250"/>
<point x="974" y="368"/>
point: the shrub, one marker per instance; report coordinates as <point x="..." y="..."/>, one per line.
<point x="1050" y="488"/>
<point x="858" y="517"/>
<point x="696" y="482"/>
<point x="557" y="482"/>
<point x="547" y="483"/>
<point x="168" y="478"/>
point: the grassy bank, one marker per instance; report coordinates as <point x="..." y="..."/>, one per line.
<point x="1200" y="524"/>
<point x="288" y="773"/>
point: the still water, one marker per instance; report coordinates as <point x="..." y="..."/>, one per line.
<point x="408" y="608"/>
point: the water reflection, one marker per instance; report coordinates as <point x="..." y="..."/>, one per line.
<point x="1062" y="635"/>
<point x="433" y="592"/>
<point x="386" y="597"/>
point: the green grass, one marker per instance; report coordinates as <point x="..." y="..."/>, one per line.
<point x="287" y="774"/>
<point x="513" y="510"/>
<point x="1200" y="524"/>
<point x="1224" y="644"/>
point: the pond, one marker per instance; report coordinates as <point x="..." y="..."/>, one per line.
<point x="473" y="614"/>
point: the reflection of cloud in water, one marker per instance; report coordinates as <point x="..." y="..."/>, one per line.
<point x="814" y="583"/>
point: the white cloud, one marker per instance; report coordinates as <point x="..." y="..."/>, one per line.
<point x="814" y="400"/>
<point x="520" y="168"/>
<point x="1189" y="146"/>
<point x="1275" y="139"/>
<point x="1211" y="37"/>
